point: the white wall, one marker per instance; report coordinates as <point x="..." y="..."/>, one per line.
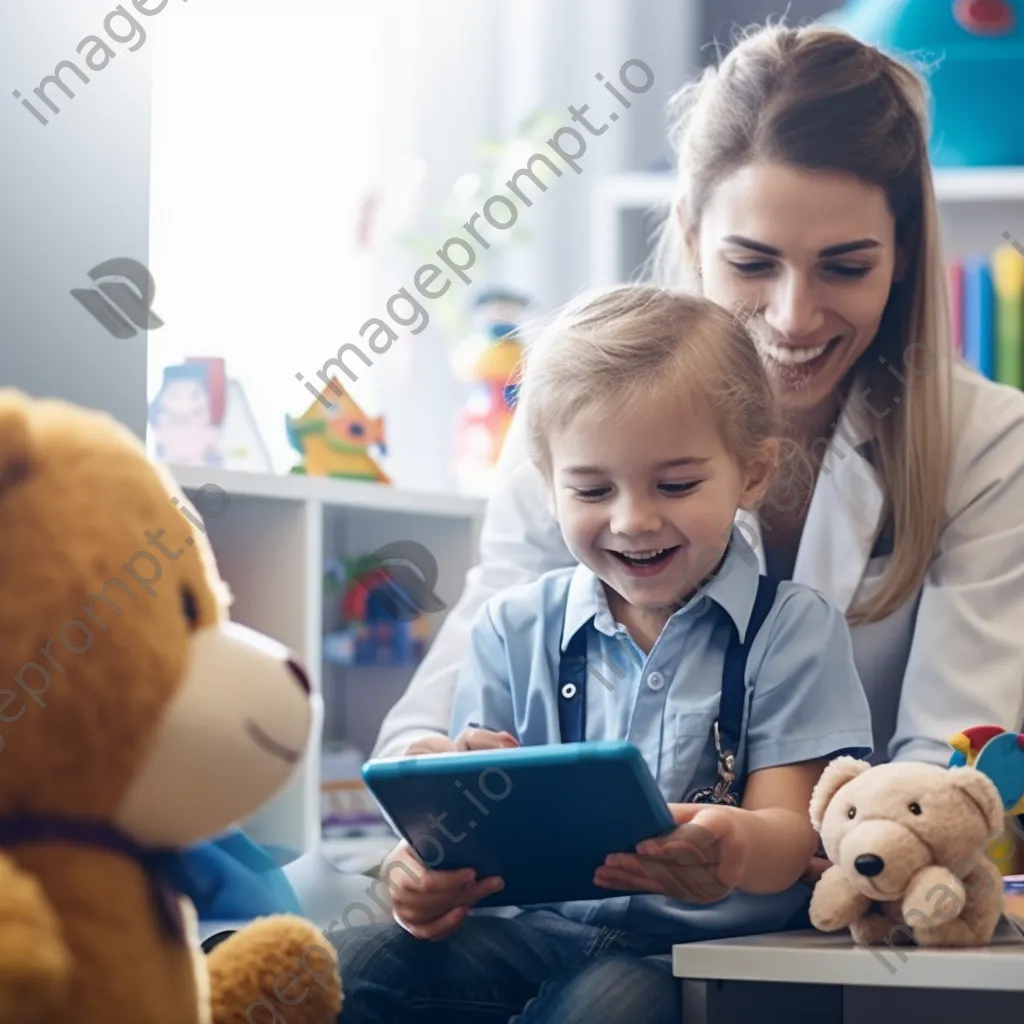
<point x="75" y="193"/>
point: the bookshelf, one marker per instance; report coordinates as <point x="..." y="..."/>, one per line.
<point x="273" y="537"/>
<point x="977" y="205"/>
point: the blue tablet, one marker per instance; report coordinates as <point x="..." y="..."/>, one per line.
<point x="543" y="818"/>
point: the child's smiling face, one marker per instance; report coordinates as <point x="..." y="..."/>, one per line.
<point x="646" y="500"/>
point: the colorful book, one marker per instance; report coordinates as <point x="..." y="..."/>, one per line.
<point x="956" y="305"/>
<point x="979" y="315"/>
<point x="1008" y="285"/>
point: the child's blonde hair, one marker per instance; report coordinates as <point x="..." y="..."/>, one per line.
<point x="628" y="344"/>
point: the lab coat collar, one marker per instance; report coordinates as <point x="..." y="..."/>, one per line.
<point x="844" y="517"/>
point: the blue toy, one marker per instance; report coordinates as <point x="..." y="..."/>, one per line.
<point x="978" y="119"/>
<point x="232" y="878"/>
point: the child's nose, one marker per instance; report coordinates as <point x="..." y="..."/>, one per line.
<point x="632" y="517"/>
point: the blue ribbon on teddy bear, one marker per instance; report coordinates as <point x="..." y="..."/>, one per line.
<point x="228" y="878"/>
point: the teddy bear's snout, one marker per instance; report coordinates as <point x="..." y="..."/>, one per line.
<point x="869" y="865"/>
<point x="881" y="857"/>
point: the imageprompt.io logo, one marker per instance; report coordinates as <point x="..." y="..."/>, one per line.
<point x="122" y="309"/>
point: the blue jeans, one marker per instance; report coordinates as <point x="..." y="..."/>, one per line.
<point x="537" y="968"/>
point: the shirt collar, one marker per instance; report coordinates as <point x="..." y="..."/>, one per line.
<point x="733" y="589"/>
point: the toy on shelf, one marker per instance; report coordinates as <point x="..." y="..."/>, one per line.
<point x="379" y="623"/>
<point x="201" y="417"/>
<point x="488" y="358"/>
<point x="978" y="50"/>
<point x="334" y="437"/>
<point x="187" y="413"/>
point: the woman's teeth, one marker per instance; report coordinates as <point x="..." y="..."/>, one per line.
<point x="789" y="356"/>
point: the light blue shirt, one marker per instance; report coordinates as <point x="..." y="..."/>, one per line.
<point x="804" y="701"/>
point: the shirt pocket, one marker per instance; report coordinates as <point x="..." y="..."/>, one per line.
<point x="691" y="761"/>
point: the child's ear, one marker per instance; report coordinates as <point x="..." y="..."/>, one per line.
<point x="759" y="473"/>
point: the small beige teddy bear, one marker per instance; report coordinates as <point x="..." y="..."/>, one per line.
<point x="907" y="843"/>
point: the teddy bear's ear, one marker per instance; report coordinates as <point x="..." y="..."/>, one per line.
<point x="981" y="790"/>
<point x="15" y="441"/>
<point x="836" y="775"/>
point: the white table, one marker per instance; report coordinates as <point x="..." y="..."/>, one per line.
<point x="812" y="978"/>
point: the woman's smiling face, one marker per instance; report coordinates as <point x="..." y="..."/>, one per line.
<point x="811" y="257"/>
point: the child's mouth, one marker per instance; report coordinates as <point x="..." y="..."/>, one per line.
<point x="645" y="563"/>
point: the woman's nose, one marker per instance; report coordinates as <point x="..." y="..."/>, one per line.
<point x="793" y="311"/>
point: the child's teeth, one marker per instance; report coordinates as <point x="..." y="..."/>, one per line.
<point x="643" y="554"/>
<point x="790" y="356"/>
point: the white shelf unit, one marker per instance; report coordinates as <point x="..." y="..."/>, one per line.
<point x="977" y="206"/>
<point x="272" y="542"/>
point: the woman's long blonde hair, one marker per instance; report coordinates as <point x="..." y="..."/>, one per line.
<point x="817" y="99"/>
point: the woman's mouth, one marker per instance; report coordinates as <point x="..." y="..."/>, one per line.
<point x="645" y="563"/>
<point x="796" y="366"/>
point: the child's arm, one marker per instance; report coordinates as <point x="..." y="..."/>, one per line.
<point x="779" y="837"/>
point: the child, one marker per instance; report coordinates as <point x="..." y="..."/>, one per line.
<point x="650" y="416"/>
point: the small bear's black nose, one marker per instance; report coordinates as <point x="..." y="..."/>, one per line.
<point x="869" y="865"/>
<point x="300" y="674"/>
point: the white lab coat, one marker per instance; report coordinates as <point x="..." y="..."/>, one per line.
<point x="951" y="657"/>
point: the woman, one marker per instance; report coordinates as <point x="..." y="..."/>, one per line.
<point x="806" y="204"/>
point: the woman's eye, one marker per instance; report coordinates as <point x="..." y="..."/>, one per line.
<point x="750" y="267"/>
<point x="592" y="493"/>
<point x="678" y="488"/>
<point x="843" y="270"/>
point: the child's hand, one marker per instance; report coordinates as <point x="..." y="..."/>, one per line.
<point x="468" y="739"/>
<point x="484" y="739"/>
<point x="431" y="904"/>
<point x="701" y="861"/>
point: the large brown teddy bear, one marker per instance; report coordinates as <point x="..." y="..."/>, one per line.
<point x="136" y="720"/>
<point x="907" y="843"/>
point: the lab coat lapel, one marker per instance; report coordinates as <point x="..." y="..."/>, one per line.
<point x="843" y="517"/>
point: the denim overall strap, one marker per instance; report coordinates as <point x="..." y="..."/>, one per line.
<point x="572" y="688"/>
<point x="734" y="672"/>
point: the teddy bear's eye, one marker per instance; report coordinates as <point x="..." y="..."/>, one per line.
<point x="914" y="808"/>
<point x="189" y="607"/>
<point x="852" y="812"/>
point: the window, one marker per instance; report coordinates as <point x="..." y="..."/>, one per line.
<point x="266" y="131"/>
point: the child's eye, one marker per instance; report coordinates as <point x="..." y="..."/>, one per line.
<point x="592" y="493"/>
<point x="845" y="270"/>
<point x="678" y="488"/>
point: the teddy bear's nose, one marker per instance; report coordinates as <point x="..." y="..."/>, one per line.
<point x="300" y="674"/>
<point x="869" y="865"/>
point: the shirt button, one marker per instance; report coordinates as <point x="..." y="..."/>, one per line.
<point x="655" y="680"/>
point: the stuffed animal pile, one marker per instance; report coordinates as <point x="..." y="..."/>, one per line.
<point x="908" y="846"/>
<point x="135" y="720"/>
